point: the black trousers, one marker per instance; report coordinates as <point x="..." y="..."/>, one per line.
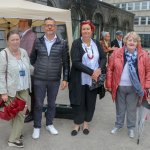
<point x="85" y="111"/>
<point x="32" y="95"/>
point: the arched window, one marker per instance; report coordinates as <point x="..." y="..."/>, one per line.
<point x="75" y="15"/>
<point x="51" y="3"/>
<point x="98" y="22"/>
<point x="126" y="27"/>
<point x="113" y="27"/>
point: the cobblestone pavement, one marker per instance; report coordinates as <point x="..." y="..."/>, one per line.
<point x="98" y="139"/>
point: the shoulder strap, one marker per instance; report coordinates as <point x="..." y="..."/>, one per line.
<point x="6" y="64"/>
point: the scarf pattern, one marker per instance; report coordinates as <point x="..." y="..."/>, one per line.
<point x="131" y="59"/>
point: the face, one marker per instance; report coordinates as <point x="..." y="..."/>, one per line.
<point x="50" y="28"/>
<point x="22" y="24"/>
<point x="86" y="31"/>
<point x="14" y="41"/>
<point x="107" y="37"/>
<point x="119" y="37"/>
<point x="131" y="43"/>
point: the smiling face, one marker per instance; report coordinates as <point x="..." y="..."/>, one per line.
<point x="50" y="28"/>
<point x="13" y="42"/>
<point x="86" y="31"/>
<point x="131" y="43"/>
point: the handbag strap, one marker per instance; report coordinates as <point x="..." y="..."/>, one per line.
<point x="6" y="64"/>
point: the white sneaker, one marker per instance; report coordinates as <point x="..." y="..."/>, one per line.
<point x="131" y="133"/>
<point x="52" y="129"/>
<point x="115" y="130"/>
<point x="36" y="133"/>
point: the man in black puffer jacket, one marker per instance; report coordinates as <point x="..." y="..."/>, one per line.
<point x="49" y="56"/>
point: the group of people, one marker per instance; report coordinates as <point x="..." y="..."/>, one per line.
<point x="127" y="75"/>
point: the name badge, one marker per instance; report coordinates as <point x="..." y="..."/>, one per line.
<point x="22" y="72"/>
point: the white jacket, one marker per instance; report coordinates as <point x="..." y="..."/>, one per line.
<point x="10" y="87"/>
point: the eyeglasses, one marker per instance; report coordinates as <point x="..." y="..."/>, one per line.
<point x="50" y="25"/>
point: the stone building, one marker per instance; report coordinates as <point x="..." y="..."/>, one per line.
<point x="106" y="17"/>
<point x="141" y="9"/>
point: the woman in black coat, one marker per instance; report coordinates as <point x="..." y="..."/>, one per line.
<point x="88" y="62"/>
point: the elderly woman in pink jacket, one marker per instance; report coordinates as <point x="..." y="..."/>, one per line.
<point x="128" y="75"/>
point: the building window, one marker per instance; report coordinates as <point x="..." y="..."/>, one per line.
<point x="137" y="6"/>
<point x="98" y="22"/>
<point x="145" y="38"/>
<point x="2" y="39"/>
<point x="143" y="20"/>
<point x="124" y="6"/>
<point x="76" y="18"/>
<point x="117" y="5"/>
<point x="144" y="5"/>
<point x="148" y="22"/>
<point x="130" y="6"/>
<point x="136" y="21"/>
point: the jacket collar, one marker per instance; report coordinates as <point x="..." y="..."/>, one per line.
<point x="57" y="39"/>
<point x="139" y="50"/>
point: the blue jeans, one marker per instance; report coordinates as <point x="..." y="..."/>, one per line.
<point x="41" y="88"/>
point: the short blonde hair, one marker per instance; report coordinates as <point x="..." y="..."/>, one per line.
<point x="132" y="34"/>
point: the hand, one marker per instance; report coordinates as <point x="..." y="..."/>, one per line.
<point x="109" y="89"/>
<point x="64" y="84"/>
<point x="4" y="97"/>
<point x="96" y="74"/>
<point x="140" y="99"/>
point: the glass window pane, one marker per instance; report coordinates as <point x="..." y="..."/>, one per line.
<point x="144" y="5"/>
<point x="124" y="6"/>
<point x="130" y="6"/>
<point x="145" y="38"/>
<point x="2" y="39"/>
<point x="137" y="6"/>
<point x="143" y="20"/>
<point x="148" y="20"/>
<point x="117" y="5"/>
<point x="136" y="20"/>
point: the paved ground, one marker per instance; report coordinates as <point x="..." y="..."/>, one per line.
<point x="98" y="139"/>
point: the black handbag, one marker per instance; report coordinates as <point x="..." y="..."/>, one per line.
<point x="99" y="82"/>
<point x="62" y="111"/>
<point x="101" y="91"/>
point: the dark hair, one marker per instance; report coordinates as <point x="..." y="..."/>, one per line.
<point x="49" y="18"/>
<point x="29" y="22"/>
<point x="11" y="33"/>
<point x="90" y="23"/>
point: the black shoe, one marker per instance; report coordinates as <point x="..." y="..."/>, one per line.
<point x="75" y="132"/>
<point x="28" y="118"/>
<point x="86" y="131"/>
<point x="16" y="144"/>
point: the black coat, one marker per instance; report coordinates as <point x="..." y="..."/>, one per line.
<point x="115" y="43"/>
<point x="75" y="87"/>
<point x="50" y="67"/>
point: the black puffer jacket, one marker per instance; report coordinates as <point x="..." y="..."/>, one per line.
<point x="50" y="67"/>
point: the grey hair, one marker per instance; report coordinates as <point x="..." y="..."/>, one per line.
<point x="104" y="33"/>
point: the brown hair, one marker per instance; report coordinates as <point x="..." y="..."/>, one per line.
<point x="11" y="33"/>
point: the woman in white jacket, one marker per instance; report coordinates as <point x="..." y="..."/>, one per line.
<point x="17" y="83"/>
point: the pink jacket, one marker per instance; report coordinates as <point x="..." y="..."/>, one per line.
<point x="27" y="41"/>
<point x="115" y="68"/>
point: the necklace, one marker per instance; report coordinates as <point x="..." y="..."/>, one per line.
<point x="90" y="57"/>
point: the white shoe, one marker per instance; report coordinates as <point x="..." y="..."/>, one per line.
<point x="131" y="133"/>
<point x="52" y="129"/>
<point x="115" y="130"/>
<point x="36" y="133"/>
